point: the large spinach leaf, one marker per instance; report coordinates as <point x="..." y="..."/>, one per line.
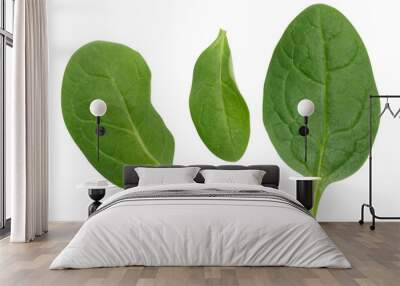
<point x="321" y="57"/>
<point x="135" y="132"/>
<point x="218" y="110"/>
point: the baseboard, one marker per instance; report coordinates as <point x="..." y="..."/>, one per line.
<point x="5" y="231"/>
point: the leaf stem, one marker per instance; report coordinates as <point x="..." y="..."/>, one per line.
<point x="319" y="188"/>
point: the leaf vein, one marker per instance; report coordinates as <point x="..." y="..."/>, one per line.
<point x="349" y="63"/>
<point x="325" y="100"/>
<point x="135" y="131"/>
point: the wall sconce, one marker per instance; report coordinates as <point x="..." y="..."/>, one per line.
<point x="305" y="108"/>
<point x="98" y="108"/>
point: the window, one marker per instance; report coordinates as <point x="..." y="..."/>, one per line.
<point x="6" y="44"/>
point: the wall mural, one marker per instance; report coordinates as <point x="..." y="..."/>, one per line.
<point x="135" y="132"/>
<point x="218" y="110"/>
<point x="320" y="57"/>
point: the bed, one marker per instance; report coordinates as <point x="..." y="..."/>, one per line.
<point x="201" y="224"/>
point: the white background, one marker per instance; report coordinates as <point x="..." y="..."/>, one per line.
<point x="170" y="35"/>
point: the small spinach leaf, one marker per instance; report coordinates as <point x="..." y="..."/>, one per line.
<point x="218" y="110"/>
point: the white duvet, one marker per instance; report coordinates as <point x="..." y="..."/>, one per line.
<point x="200" y="231"/>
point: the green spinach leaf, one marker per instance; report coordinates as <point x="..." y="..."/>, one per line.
<point x="135" y="132"/>
<point x="218" y="110"/>
<point x="321" y="57"/>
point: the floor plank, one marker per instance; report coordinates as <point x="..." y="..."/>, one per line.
<point x="375" y="257"/>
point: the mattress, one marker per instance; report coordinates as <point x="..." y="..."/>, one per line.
<point x="201" y="225"/>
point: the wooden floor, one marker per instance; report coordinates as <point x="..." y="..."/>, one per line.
<point x="375" y="257"/>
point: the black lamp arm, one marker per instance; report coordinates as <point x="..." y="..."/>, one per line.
<point x="304" y="131"/>
<point x="100" y="131"/>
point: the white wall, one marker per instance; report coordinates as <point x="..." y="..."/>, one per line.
<point x="171" y="35"/>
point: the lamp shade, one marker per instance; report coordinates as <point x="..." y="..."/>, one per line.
<point x="305" y="107"/>
<point x="98" y="107"/>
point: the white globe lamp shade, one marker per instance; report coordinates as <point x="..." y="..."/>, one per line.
<point x="305" y="107"/>
<point x="98" y="107"/>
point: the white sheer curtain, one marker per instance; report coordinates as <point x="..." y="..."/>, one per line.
<point x="28" y="159"/>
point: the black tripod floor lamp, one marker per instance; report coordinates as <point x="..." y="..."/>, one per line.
<point x="386" y="109"/>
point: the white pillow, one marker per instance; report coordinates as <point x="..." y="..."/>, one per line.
<point x="247" y="177"/>
<point x="165" y="176"/>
